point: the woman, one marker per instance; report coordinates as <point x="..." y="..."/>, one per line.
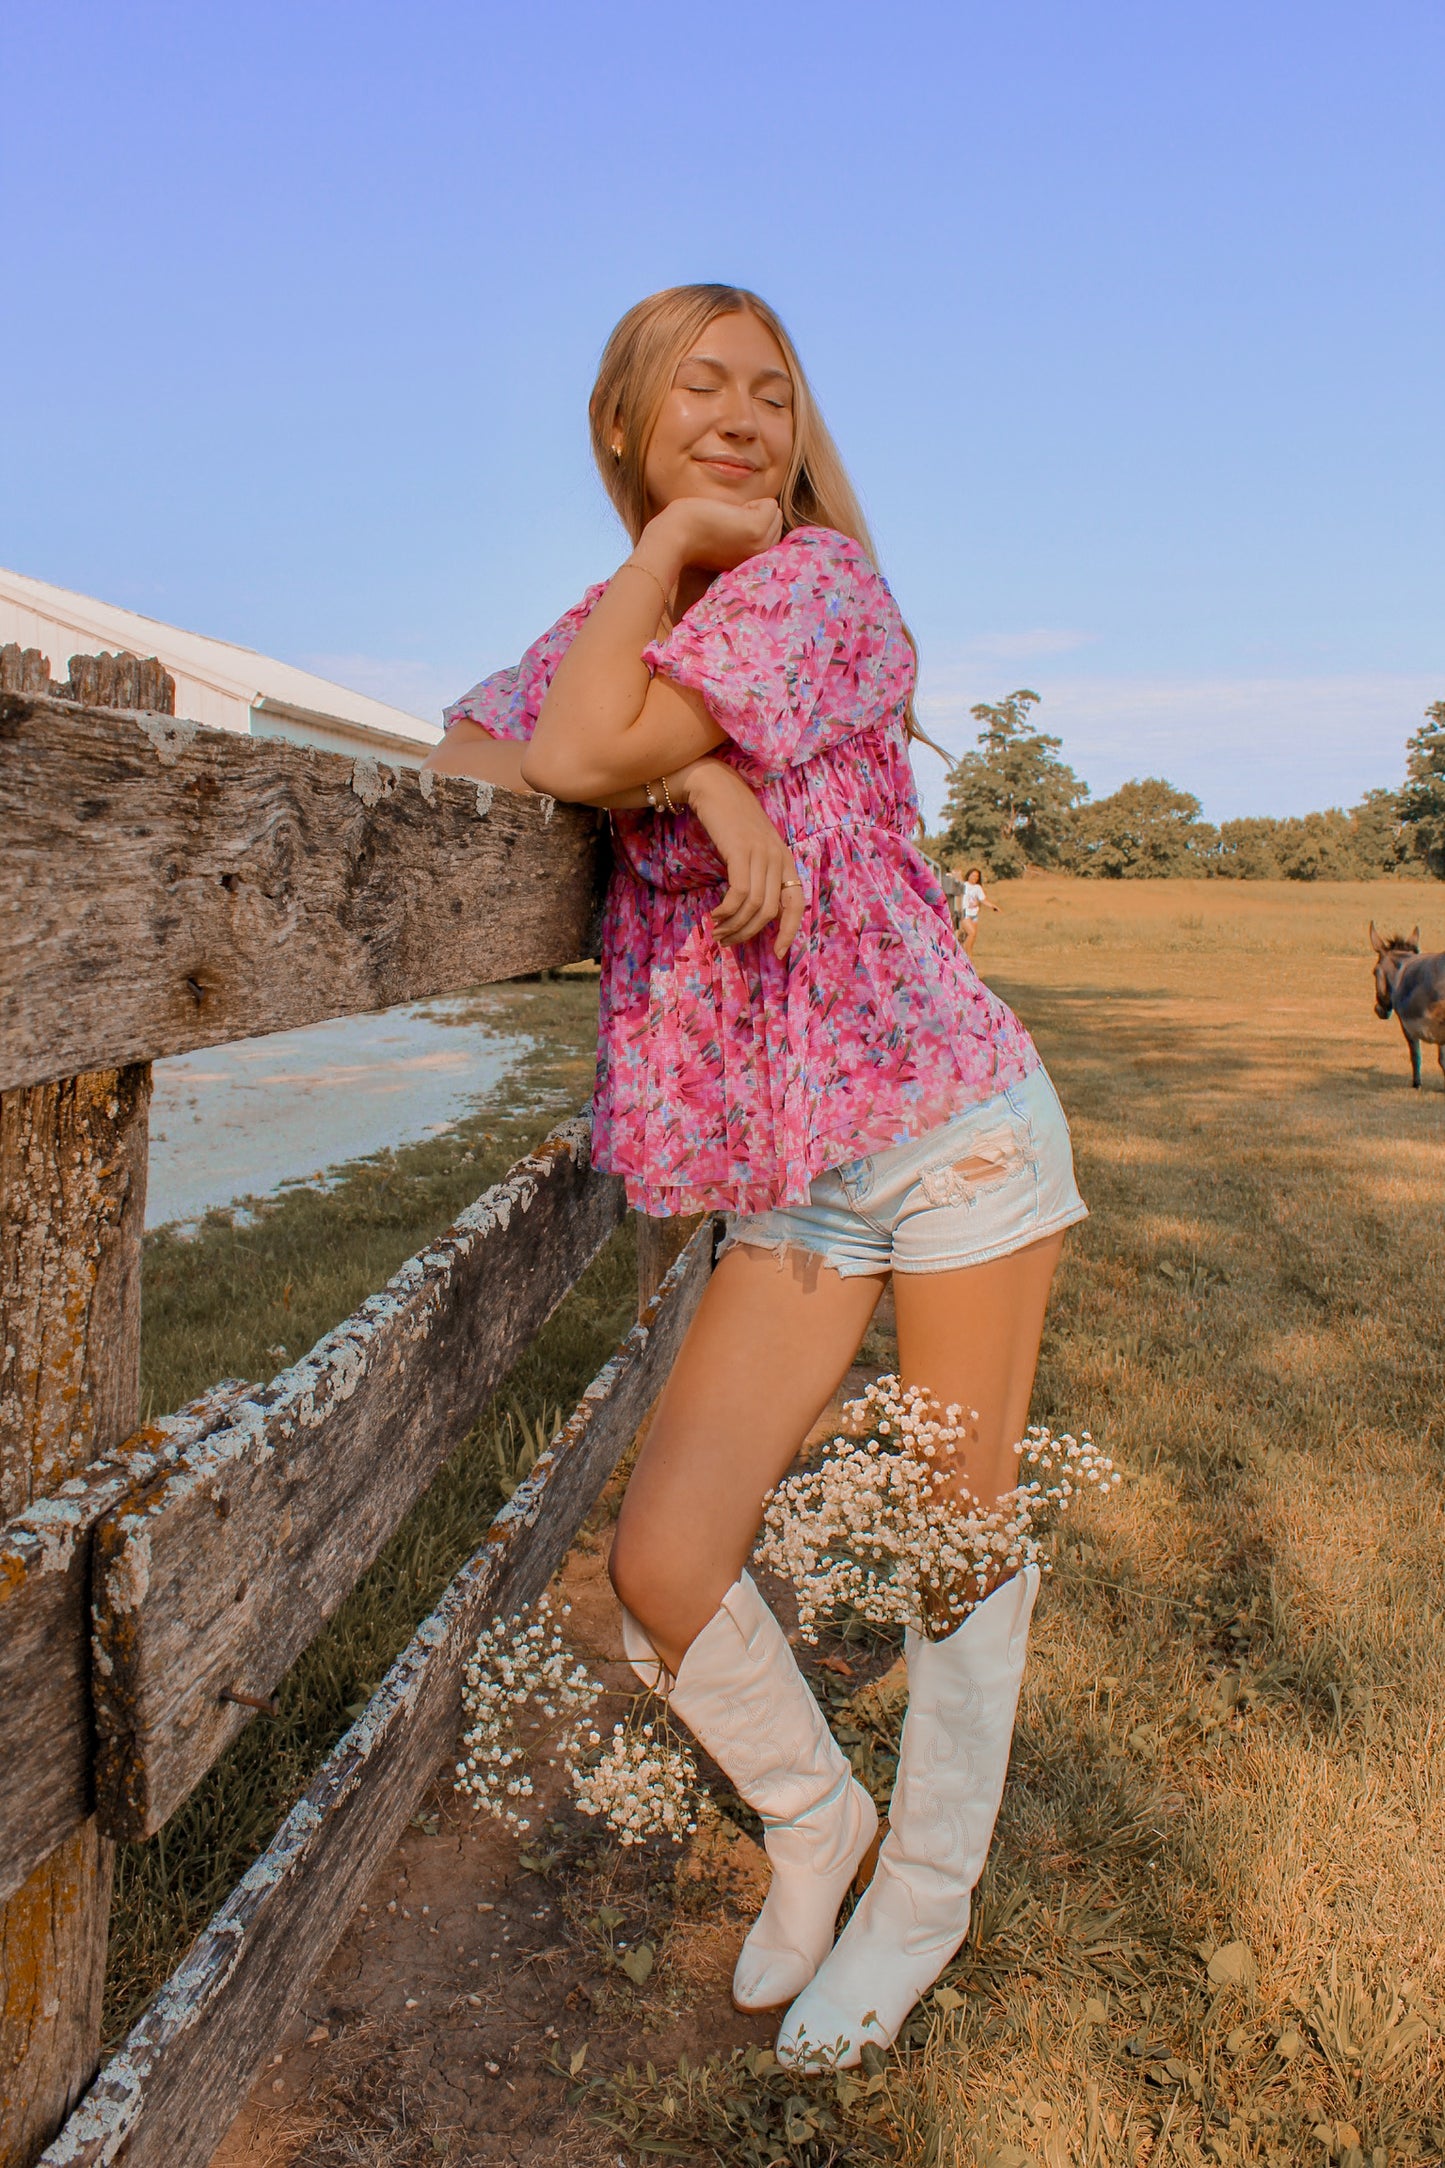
<point x="790" y="1033"/>
<point x="975" y="899"/>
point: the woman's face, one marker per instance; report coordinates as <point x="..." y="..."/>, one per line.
<point x="726" y="425"/>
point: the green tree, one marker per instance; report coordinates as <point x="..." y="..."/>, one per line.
<point x="1317" y="847"/>
<point x="1144" y="830"/>
<point x="1380" y="841"/>
<point x="1009" y="803"/>
<point x="1422" y="801"/>
<point x="1248" y="850"/>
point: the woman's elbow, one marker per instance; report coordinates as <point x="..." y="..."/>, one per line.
<point x="540" y="773"/>
<point x="571" y="781"/>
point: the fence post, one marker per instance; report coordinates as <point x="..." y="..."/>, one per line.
<point x="72" y="1208"/>
<point x="659" y="1243"/>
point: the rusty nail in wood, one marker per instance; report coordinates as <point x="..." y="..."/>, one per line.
<point x="268" y="1704"/>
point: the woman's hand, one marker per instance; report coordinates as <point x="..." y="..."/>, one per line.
<point x="708" y="532"/>
<point x="763" y="882"/>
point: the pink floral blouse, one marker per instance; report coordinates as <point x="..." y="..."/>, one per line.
<point x="726" y="1079"/>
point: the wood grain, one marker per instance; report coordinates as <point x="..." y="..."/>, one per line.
<point x="72" y="1210"/>
<point x="163" y="886"/>
<point x="45" y="1711"/>
<point x="72" y="1205"/>
<point x="215" y="1576"/>
<point x="168" y="2097"/>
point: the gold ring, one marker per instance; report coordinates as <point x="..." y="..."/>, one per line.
<point x="790" y="884"/>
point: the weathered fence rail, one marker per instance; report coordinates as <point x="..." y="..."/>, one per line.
<point x="164" y="887"/>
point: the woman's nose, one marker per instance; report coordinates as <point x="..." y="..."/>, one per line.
<point x="738" y="420"/>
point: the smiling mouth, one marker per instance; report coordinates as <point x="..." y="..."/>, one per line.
<point x="728" y="466"/>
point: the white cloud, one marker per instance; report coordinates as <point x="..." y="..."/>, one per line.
<point x="1242" y="745"/>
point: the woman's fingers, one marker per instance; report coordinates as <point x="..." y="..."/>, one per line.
<point x="790" y="917"/>
<point x="738" y="916"/>
<point x="764" y="900"/>
<point x="734" y="901"/>
<point x="765" y="890"/>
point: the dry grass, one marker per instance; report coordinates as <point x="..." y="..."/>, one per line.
<point x="1213" y="1925"/>
<point x="1231" y="1725"/>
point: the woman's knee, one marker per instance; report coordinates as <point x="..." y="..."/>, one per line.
<point x="632" y="1573"/>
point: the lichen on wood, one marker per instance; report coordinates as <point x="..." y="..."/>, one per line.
<point x="213" y="1577"/>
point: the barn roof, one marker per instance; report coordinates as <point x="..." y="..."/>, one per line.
<point x="217" y="683"/>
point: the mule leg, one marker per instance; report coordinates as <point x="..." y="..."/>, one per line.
<point x="1414" y="1046"/>
<point x="1440" y="1057"/>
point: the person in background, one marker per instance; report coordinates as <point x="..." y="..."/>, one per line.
<point x="975" y="899"/>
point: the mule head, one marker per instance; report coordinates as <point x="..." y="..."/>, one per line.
<point x="1390" y="955"/>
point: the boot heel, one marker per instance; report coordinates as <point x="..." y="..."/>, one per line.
<point x="868" y="1862"/>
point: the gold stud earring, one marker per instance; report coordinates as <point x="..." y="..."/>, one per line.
<point x="617" y="453"/>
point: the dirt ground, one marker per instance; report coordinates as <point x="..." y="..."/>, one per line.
<point x="485" y="1972"/>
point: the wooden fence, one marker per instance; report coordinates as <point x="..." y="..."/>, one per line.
<point x="164" y="887"/>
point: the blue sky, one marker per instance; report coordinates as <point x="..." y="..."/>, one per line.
<point x="1128" y="318"/>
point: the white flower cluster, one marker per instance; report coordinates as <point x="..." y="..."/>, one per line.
<point x="514" y="1664"/>
<point x="882" y="1525"/>
<point x="644" y="1785"/>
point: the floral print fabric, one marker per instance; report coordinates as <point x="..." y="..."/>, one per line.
<point x="726" y="1079"/>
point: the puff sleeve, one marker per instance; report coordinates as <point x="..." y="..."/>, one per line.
<point x="793" y="650"/>
<point x="507" y="703"/>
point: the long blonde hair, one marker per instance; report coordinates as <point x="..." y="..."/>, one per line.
<point x="634" y="377"/>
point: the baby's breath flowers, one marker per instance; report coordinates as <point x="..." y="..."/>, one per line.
<point x="514" y="1664"/>
<point x="644" y="1783"/>
<point x="640" y="1780"/>
<point x="882" y="1526"/>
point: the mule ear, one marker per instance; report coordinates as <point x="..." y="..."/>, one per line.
<point x="1415" y="939"/>
<point x="1375" y="942"/>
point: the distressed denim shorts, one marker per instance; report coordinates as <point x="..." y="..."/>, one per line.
<point x="989" y="1180"/>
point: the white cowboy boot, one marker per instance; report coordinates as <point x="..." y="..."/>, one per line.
<point x="951" y="1762"/>
<point x="740" y="1692"/>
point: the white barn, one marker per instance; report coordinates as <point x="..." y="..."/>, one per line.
<point x="222" y="686"/>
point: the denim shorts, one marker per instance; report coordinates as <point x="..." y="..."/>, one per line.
<point x="989" y="1180"/>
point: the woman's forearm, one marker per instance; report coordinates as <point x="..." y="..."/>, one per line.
<point x="468" y="750"/>
<point x="607" y="725"/>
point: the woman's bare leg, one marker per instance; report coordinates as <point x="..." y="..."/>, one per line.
<point x="763" y="1356"/>
<point x="972" y="1336"/>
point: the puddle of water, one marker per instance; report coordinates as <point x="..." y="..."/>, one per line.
<point x="244" y="1120"/>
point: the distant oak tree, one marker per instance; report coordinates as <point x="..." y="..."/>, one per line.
<point x="1145" y="830"/>
<point x="1010" y="801"/>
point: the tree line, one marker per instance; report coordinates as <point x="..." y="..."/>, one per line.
<point x="1014" y="802"/>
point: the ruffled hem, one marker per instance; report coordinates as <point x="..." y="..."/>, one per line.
<point x="676" y="1201"/>
<point x="728" y="1080"/>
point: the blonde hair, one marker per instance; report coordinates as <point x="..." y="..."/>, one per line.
<point x="634" y="377"/>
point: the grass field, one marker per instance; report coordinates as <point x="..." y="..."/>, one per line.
<point x="1213" y="1925"/>
<point x="1212" y="1928"/>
